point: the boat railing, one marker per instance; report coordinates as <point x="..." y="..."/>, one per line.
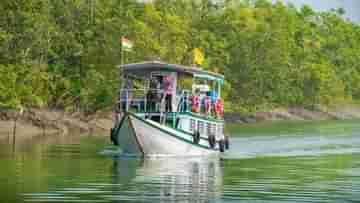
<point x="137" y="99"/>
<point x="153" y="101"/>
<point x="143" y="99"/>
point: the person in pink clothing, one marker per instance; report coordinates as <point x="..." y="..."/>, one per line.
<point x="168" y="92"/>
<point x="207" y="102"/>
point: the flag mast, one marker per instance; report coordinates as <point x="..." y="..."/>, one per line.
<point x="126" y="46"/>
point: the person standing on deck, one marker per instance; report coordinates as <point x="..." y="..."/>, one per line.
<point x="153" y="95"/>
<point x="168" y="92"/>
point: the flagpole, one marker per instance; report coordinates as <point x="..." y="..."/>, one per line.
<point x="121" y="75"/>
<point x="121" y="51"/>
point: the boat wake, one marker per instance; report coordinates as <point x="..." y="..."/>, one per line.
<point x="116" y="152"/>
<point x="292" y="144"/>
<point x="289" y="146"/>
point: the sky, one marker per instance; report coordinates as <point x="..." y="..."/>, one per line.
<point x="352" y="7"/>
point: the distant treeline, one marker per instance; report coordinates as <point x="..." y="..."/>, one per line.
<point x="63" y="53"/>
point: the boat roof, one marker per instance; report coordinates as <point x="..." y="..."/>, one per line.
<point x="150" y="66"/>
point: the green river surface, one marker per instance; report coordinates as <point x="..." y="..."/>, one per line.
<point x="278" y="162"/>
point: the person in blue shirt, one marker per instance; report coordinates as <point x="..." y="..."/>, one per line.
<point x="213" y="95"/>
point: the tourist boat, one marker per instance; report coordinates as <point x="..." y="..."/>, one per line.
<point x="168" y="109"/>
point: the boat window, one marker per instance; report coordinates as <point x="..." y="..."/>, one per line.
<point x="201" y="127"/>
<point x="208" y="128"/>
<point x="192" y="125"/>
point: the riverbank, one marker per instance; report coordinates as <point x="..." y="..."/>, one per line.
<point x="33" y="122"/>
<point x="297" y="114"/>
<point x="44" y="121"/>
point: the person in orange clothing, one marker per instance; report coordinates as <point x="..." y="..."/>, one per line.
<point x="219" y="108"/>
<point x="196" y="102"/>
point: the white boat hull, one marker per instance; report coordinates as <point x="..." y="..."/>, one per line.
<point x="145" y="137"/>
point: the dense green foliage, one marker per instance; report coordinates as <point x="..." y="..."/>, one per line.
<point x="63" y="54"/>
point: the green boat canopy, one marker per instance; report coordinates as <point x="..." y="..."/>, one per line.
<point x="147" y="67"/>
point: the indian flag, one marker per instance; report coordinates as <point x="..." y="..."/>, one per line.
<point x="126" y="44"/>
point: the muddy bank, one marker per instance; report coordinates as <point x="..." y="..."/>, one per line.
<point x="297" y="114"/>
<point x="34" y="122"/>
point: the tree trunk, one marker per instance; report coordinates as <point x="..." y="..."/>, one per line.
<point x="14" y="133"/>
<point x="14" y="127"/>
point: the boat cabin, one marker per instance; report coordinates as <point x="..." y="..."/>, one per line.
<point x="181" y="97"/>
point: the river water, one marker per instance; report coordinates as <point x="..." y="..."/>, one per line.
<point x="280" y="162"/>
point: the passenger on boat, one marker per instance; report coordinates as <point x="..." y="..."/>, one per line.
<point x="213" y="97"/>
<point x="153" y="95"/>
<point x="219" y="109"/>
<point x="207" y="105"/>
<point x="168" y="91"/>
<point x="184" y="102"/>
<point x="195" y="102"/>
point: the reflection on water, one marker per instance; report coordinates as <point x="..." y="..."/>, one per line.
<point x="159" y="180"/>
<point x="168" y="180"/>
<point x="303" y="163"/>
